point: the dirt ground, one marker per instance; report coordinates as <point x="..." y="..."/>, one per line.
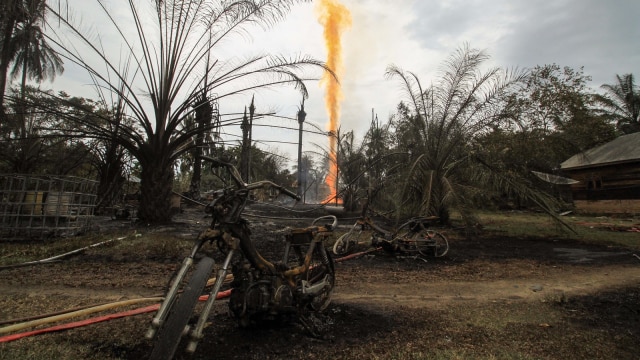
<point x="489" y="297"/>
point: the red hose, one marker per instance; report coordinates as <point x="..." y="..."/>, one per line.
<point x="352" y="256"/>
<point x="95" y="320"/>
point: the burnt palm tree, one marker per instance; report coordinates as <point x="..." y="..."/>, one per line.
<point x="621" y="102"/>
<point x="170" y="70"/>
<point x="437" y="129"/>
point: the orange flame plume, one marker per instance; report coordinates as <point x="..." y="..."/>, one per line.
<point x="335" y="18"/>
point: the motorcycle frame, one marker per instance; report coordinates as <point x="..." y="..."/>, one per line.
<point x="232" y="230"/>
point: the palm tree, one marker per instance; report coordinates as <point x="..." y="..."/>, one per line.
<point x="376" y="146"/>
<point x="621" y="102"/>
<point x="33" y="59"/>
<point x="438" y="128"/>
<point x="23" y="44"/>
<point x="11" y="13"/>
<point x="170" y="72"/>
<point x="381" y="164"/>
<point x="352" y="165"/>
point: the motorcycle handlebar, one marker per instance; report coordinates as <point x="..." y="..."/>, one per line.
<point x="332" y="218"/>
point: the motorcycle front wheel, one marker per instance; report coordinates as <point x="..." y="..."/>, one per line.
<point x="321" y="268"/>
<point x="173" y="328"/>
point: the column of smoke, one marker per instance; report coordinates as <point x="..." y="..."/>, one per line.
<point x="335" y="18"/>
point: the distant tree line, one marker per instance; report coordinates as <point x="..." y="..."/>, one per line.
<point x="469" y="139"/>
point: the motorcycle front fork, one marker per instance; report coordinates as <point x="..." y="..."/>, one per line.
<point x="170" y="297"/>
<point x="165" y="307"/>
<point x="196" y="334"/>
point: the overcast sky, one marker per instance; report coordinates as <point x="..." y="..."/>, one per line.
<point x="417" y="35"/>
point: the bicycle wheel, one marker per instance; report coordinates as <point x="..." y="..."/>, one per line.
<point x="172" y="329"/>
<point x="321" y="268"/>
<point x="432" y="243"/>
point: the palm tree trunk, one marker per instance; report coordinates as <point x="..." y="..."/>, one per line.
<point x="156" y="183"/>
<point x="204" y="113"/>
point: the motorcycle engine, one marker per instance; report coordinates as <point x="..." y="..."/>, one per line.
<point x="256" y="296"/>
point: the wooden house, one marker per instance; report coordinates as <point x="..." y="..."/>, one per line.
<point x="608" y="177"/>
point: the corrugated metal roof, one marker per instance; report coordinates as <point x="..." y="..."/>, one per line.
<point x="555" y="179"/>
<point x="625" y="148"/>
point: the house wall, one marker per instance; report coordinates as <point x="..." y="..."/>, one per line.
<point x="629" y="207"/>
<point x="607" y="189"/>
<point x="619" y="182"/>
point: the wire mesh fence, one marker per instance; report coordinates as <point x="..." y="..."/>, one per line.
<point x="38" y="207"/>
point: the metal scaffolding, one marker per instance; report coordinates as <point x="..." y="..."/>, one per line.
<point x="39" y="207"/>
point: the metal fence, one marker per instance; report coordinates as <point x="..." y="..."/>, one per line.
<point x="38" y="207"/>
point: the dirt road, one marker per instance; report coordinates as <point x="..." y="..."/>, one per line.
<point x="379" y="299"/>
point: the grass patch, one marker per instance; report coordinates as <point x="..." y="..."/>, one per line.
<point x="119" y="245"/>
<point x="155" y="245"/>
<point x="15" y="252"/>
<point x="590" y="229"/>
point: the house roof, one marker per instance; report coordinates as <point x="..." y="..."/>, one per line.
<point x="554" y="179"/>
<point x="623" y="149"/>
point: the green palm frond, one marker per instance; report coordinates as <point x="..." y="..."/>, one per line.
<point x="465" y="102"/>
<point x="621" y="102"/>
